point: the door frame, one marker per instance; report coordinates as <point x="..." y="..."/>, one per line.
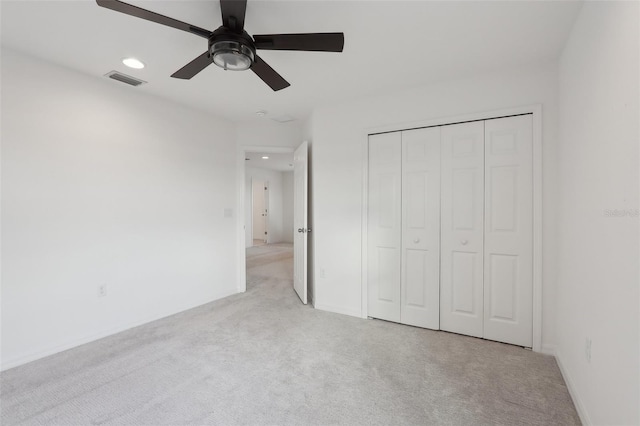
<point x="536" y="111"/>
<point x="241" y="271"/>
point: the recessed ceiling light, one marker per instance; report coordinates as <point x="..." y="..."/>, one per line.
<point x="264" y="157"/>
<point x="261" y="113"/>
<point x="133" y="63"/>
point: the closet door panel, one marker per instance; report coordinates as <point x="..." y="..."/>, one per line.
<point x="384" y="226"/>
<point x="508" y="269"/>
<point x="420" y="227"/>
<point x="462" y="198"/>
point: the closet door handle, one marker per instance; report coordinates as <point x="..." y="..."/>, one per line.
<point x="416" y="240"/>
<point x="464" y="242"/>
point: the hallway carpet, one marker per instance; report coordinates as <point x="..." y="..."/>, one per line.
<point x="262" y="357"/>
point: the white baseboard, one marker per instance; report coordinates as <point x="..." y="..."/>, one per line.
<point x="577" y="401"/>
<point x="548" y="349"/>
<point x="17" y="361"/>
<point x="338" y="310"/>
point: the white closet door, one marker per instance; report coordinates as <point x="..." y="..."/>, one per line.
<point x="420" y="296"/>
<point x="461" y="286"/>
<point x="384" y="226"/>
<point x="508" y="270"/>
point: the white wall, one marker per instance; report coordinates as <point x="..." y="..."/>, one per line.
<point x="598" y="253"/>
<point x="101" y="184"/>
<point x="338" y="149"/>
<point x="276" y="210"/>
<point x="287" y="207"/>
<point x="265" y="132"/>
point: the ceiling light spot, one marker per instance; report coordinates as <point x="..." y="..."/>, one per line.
<point x="133" y="63"/>
<point x="261" y="113"/>
<point x="265" y="157"/>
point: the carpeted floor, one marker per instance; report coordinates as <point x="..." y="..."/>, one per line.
<point x="264" y="358"/>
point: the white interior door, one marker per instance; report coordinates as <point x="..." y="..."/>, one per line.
<point x="462" y="198"/>
<point x="259" y="210"/>
<point x="508" y="260"/>
<point x="300" y="191"/>
<point x="384" y="232"/>
<point x="420" y="289"/>
<point x="265" y="216"/>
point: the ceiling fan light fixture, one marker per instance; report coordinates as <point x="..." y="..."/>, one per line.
<point x="232" y="55"/>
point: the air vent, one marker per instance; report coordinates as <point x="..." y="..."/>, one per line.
<point x="123" y="78"/>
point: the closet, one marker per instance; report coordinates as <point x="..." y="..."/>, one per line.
<point x="450" y="228"/>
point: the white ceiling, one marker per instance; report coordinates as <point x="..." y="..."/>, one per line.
<point x="389" y="45"/>
<point x="281" y="162"/>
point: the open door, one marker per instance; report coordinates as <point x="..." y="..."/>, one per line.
<point x="259" y="211"/>
<point x="300" y="179"/>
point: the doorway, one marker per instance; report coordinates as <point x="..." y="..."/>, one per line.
<point x="268" y="219"/>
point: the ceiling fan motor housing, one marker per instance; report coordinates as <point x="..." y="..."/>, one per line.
<point x="232" y="51"/>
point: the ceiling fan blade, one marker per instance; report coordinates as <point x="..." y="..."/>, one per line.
<point x="233" y="12"/>
<point x="193" y="67"/>
<point x="318" y="42"/>
<point x="138" y="12"/>
<point x="268" y="75"/>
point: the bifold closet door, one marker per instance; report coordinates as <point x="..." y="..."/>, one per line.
<point x="420" y="277"/>
<point x="450" y="228"/>
<point x="508" y="260"/>
<point x="462" y="245"/>
<point x="384" y="232"/>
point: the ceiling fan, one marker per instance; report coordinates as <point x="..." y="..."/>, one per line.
<point x="230" y="46"/>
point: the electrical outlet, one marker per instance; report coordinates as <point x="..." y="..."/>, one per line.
<point x="322" y="273"/>
<point x="102" y="290"/>
<point x="587" y="349"/>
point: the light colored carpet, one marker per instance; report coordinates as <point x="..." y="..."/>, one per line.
<point x="258" y="242"/>
<point x="264" y="358"/>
